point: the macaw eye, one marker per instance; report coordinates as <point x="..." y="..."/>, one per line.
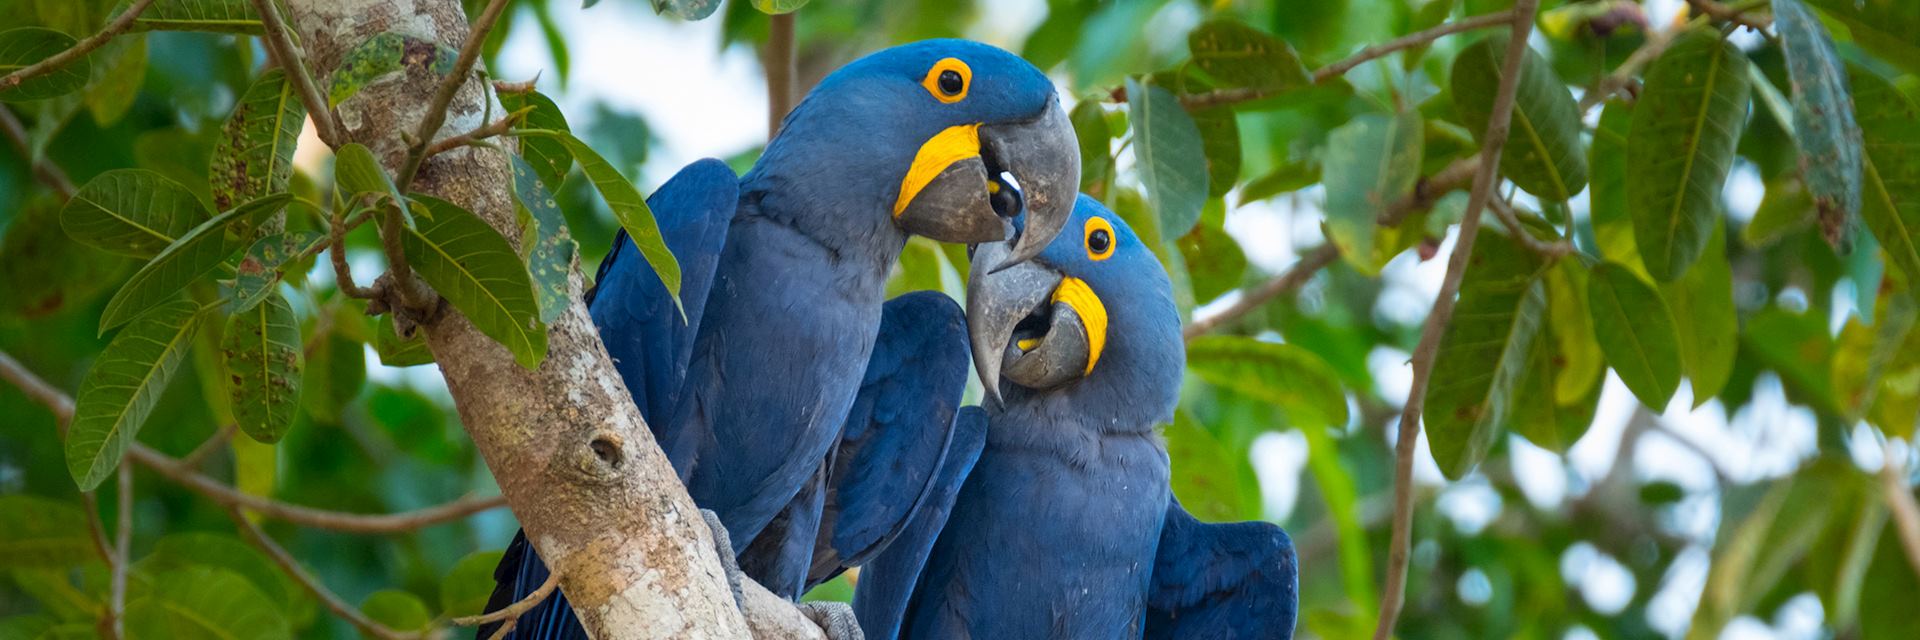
<point x="948" y="80"/>
<point x="1099" y="239"/>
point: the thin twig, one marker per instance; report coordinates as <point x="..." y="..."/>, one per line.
<point x="213" y="443"/>
<point x="436" y="113"/>
<point x="109" y="625"/>
<point x="287" y="55"/>
<point x="122" y="553"/>
<point x="44" y="170"/>
<point x="782" y="70"/>
<point x="1437" y="320"/>
<point x="1900" y="501"/>
<point x="482" y="132"/>
<point x="510" y="615"/>
<point x="1291" y="279"/>
<point x="1737" y="16"/>
<point x="342" y="274"/>
<point x="292" y="567"/>
<point x="79" y="50"/>
<point x="1429" y="190"/>
<point x="1511" y="220"/>
<point x="1657" y="43"/>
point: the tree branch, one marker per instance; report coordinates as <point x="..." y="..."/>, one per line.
<point x="44" y="170"/>
<point x="1622" y="77"/>
<point x="782" y="70"/>
<point x="436" y="114"/>
<point x="1291" y="279"/>
<point x="287" y="55"/>
<point x="482" y="132"/>
<point x="292" y="567"/>
<point x="1423" y="355"/>
<point x="79" y="50"/>
<point x="1734" y="15"/>
<point x="1511" y="220"/>
<point x="214" y="442"/>
<point x="509" y="617"/>
<point x="1900" y="501"/>
<point x="122" y="554"/>
<point x="1429" y="190"/>
<point x="109" y="625"/>
<point x="337" y="254"/>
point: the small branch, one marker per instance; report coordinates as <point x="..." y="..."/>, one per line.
<point x="1291" y="279"/>
<point x="1900" y="501"/>
<point x="510" y="616"/>
<point x="1725" y="13"/>
<point x="482" y="132"/>
<point x="79" y="50"/>
<point x="44" y="170"/>
<point x="436" y="114"/>
<point x="1622" y="77"/>
<point x="38" y="390"/>
<point x="781" y="70"/>
<point x="1498" y="126"/>
<point x="109" y="625"/>
<point x="213" y="443"/>
<point x="287" y="55"/>
<point x="1430" y="189"/>
<point x="292" y="567"/>
<point x="1511" y="220"/>
<point x="122" y="547"/>
<point x="337" y="243"/>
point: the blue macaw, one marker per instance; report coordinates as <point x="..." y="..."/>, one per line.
<point x="1065" y="526"/>
<point x="790" y="394"/>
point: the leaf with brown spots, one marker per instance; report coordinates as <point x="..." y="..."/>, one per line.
<point x="254" y="156"/>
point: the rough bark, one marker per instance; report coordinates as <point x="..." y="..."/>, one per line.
<point x="566" y="444"/>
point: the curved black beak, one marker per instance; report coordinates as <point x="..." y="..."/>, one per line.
<point x="1037" y="327"/>
<point x="1044" y="156"/>
<point x="957" y="189"/>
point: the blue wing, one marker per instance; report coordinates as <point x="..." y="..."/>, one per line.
<point x="1237" y="580"/>
<point x="888" y="580"/>
<point x="777" y="558"/>
<point x="650" y="343"/>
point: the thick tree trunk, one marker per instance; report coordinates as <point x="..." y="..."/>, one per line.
<point x="565" y="442"/>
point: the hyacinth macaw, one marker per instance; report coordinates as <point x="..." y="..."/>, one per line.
<point x="783" y="279"/>
<point x="1065" y="526"/>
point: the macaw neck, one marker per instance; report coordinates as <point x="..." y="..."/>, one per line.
<point x="858" y="233"/>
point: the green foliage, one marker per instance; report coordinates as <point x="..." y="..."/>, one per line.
<point x="1167" y="146"/>
<point x="123" y="386"/>
<point x="1681" y="147"/>
<point x="1483" y="354"/>
<point x="42" y="532"/>
<point x="1636" y="333"/>
<point x="1299" y="382"/>
<point x="216" y="16"/>
<point x="194" y="254"/>
<point x="254" y="156"/>
<point x="550" y="256"/>
<point x="133" y="212"/>
<point x="20" y="48"/>
<point x="1370" y="160"/>
<point x="465" y="590"/>
<point x="1823" y="122"/>
<point x="628" y="207"/>
<point x="204" y="602"/>
<point x="1543" y="148"/>
<point x="549" y="157"/>
<point x="264" y="358"/>
<point x="479" y="273"/>
<point x="1236" y="55"/>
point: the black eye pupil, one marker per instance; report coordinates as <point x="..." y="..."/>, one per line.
<point x="950" y="82"/>
<point x="1099" y="241"/>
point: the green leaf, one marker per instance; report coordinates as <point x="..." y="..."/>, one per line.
<point x="398" y="610"/>
<point x="1823" y="124"/>
<point x="1753" y="555"/>
<point x="356" y="173"/>
<point x="1703" y="315"/>
<point x="1543" y="153"/>
<point x="1371" y="161"/>
<point x="628" y="207"/>
<point x="549" y="157"/>
<point x="123" y="386"/>
<point x="1559" y="390"/>
<point x="1796" y="346"/>
<point x="466" y="588"/>
<point x="1685" y="127"/>
<point x="1288" y="178"/>
<point x="551" y="260"/>
<point x="1888" y="28"/>
<point x="204" y="602"/>
<point x="260" y="267"/>
<point x="386" y="54"/>
<point x="44" y="269"/>
<point x="254" y="157"/>
<point x="1096" y="147"/>
<point x="1863" y="354"/>
<point x="195" y="548"/>
<point x="1215" y="263"/>
<point x="1220" y="141"/>
<point x="189" y="257"/>
<point x="132" y="212"/>
<point x="21" y="48"/>
<point x="1238" y="56"/>
<point x="699" y="11"/>
<point x="1607" y="162"/>
<point x="263" y="355"/>
<point x="1787" y="209"/>
<point x="691" y="10"/>
<point x="1302" y="384"/>
<point x="44" y="627"/>
<point x="395" y="351"/>
<point x="1890" y="129"/>
<point x="117" y="84"/>
<point x="1637" y="333"/>
<point x="336" y="370"/>
<point x="473" y="267"/>
<point x="215" y="16"/>
<point x="1169" y="155"/>
<point x="1484" y="352"/>
<point x="38" y="532"/>
<point x="1213" y="483"/>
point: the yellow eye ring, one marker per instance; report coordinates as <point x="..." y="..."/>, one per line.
<point x="1099" y="239"/>
<point x="948" y="80"/>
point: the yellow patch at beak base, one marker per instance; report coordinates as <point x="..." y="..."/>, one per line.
<point x="941" y="151"/>
<point x="1080" y="297"/>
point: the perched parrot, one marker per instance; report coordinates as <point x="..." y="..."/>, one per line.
<point x="790" y="394"/>
<point x="1064" y="526"/>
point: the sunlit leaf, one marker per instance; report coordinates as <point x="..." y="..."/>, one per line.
<point x="357" y="173"/>
<point x="1169" y="155"/>
<point x="549" y="157"/>
<point x="1637" y="333"/>
<point x="1209" y="480"/>
<point x="1703" y="314"/>
<point x="264" y="358"/>
<point x="21" y="48"/>
<point x="1890" y="128"/>
<point x="1681" y="146"/>
<point x="36" y="531"/>
<point x="123" y="386"/>
<point x="398" y="610"/>
<point x="1543" y="153"/>
<point x="132" y="212"/>
<point x="1372" y="161"/>
<point x="204" y="602"/>
<point x="192" y="255"/>
<point x="1607" y="162"/>
<point x="694" y="8"/>
<point x="385" y="54"/>
<point x="1238" y="56"/>
<point x="550" y="261"/>
<point x="217" y="16"/>
<point x="476" y="270"/>
<point x="1299" y="382"/>
<point x="465" y="590"/>
<point x="1215" y="263"/>
<point x="255" y="155"/>
<point x="1483" y="353"/>
<point x="1559" y="390"/>
<point x="628" y="207"/>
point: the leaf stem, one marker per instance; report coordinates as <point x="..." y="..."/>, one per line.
<point x="109" y="625"/>
<point x="122" y="546"/>
<point x="509" y="616"/>
<point x="781" y="70"/>
<point x="1511" y="220"/>
<point x="79" y="50"/>
<point x="1498" y="126"/>
<point x="285" y="53"/>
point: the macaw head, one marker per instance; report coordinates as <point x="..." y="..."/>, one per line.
<point x="1093" y="310"/>
<point x="951" y="138"/>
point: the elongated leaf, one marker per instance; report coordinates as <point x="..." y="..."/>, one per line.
<point x="1681" y="146"/>
<point x="20" y="48"/>
<point x="1220" y="142"/>
<point x="1798" y="348"/>
<point x="1371" y="161"/>
<point x="356" y="172"/>
<point x="1755" y="553"/>
<point x="628" y="207"/>
<point x="550" y="260"/>
<point x="1607" y="162"/>
<point x="1288" y="178"/>
<point x="1236" y="55"/>
<point x="214" y="16"/>
<point x="44" y="269"/>
<point x="1299" y="382"/>
<point x="1703" y="315"/>
<point x="473" y="267"/>
<point x="1208" y="478"/>
<point x="1787" y="209"/>
<point x="204" y="602"/>
<point x="1543" y="153"/>
<point x="550" y="159"/>
<point x="188" y="549"/>
<point x="262" y="349"/>
<point x="1889" y="28"/>
<point x="1890" y="129"/>
<point x="1096" y="147"/>
<point x="132" y="212"/>
<point x="1559" y="390"/>
<point x="116" y="84"/>
<point x="122" y="387"/>
<point x="398" y="610"/>
<point x="1215" y="263"/>
<point x="38" y="532"/>
<point x="385" y="54"/>
<point x="255" y="155"/>
<point x="191" y="256"/>
<point x="1171" y="159"/>
<point x="260" y="267"/>
<point x="1485" y="350"/>
<point x="1636" y="331"/>
<point x="465" y="590"/>
<point x="1823" y="124"/>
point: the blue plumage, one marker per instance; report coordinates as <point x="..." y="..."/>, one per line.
<point x="1232" y="580"/>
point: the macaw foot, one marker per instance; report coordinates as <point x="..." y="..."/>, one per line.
<point x="834" y="618"/>
<point x="723" y="544"/>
